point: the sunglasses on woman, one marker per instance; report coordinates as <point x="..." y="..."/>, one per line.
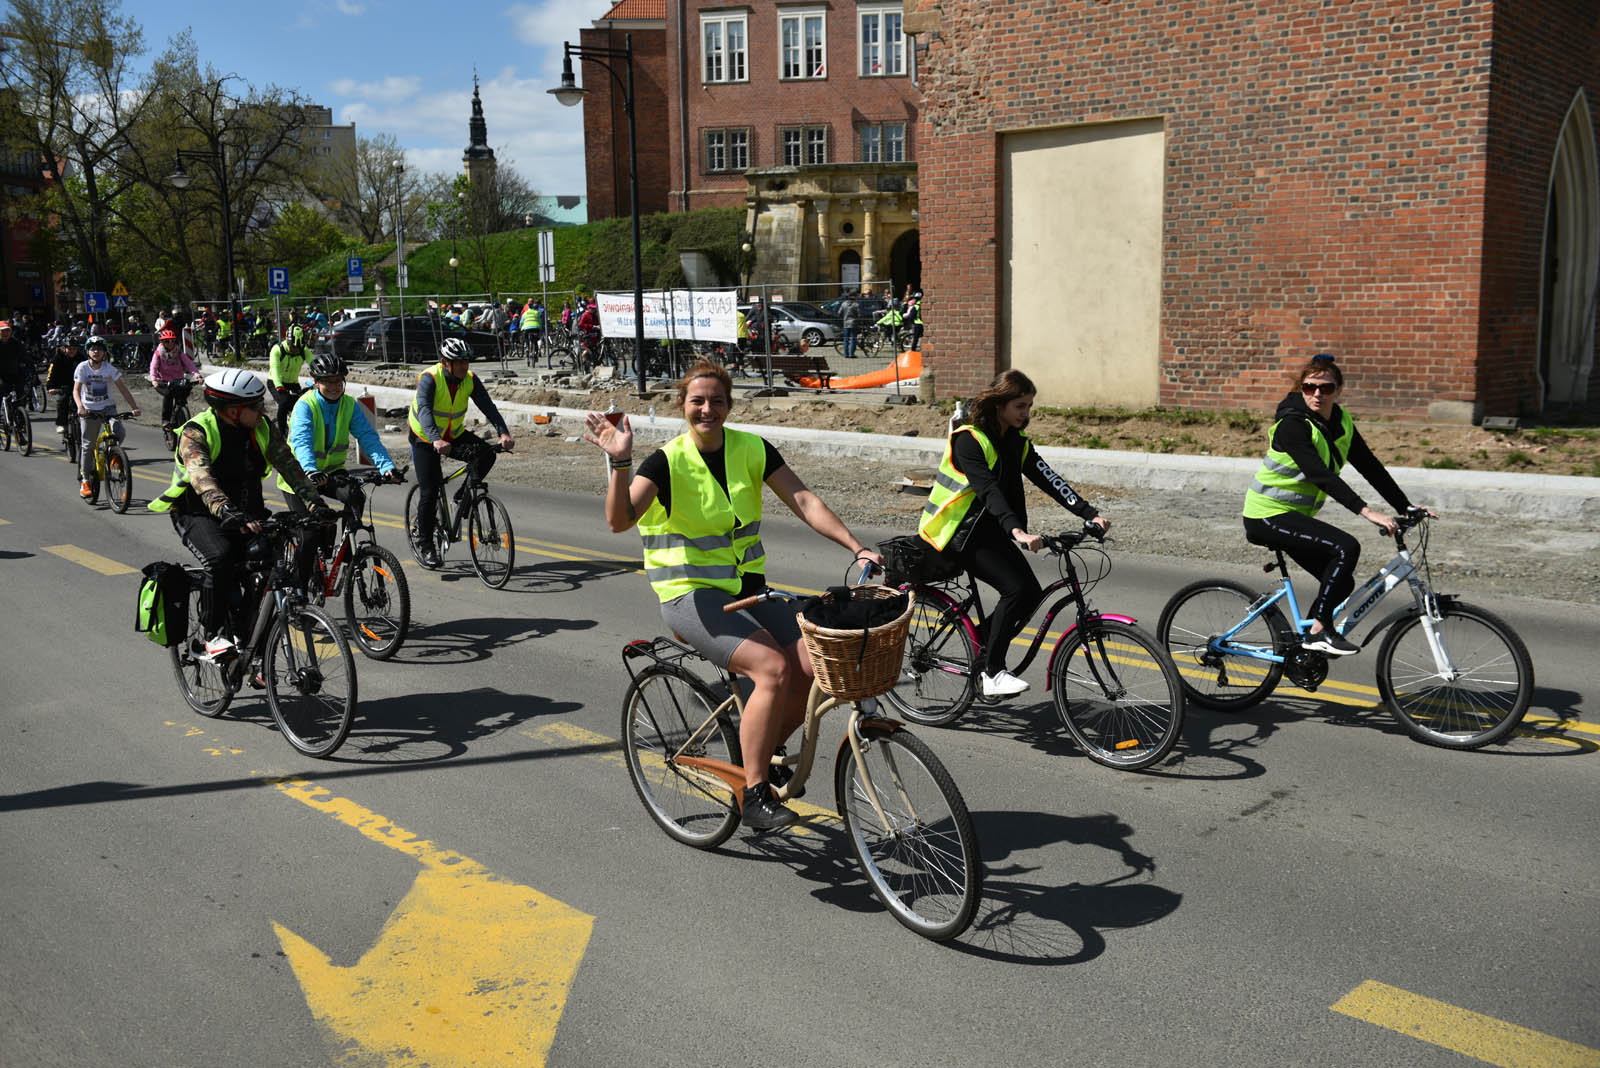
<point x="1327" y="389"/>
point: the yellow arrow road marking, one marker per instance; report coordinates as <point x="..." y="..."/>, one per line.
<point x="1441" y="1024"/>
<point x="92" y="561"/>
<point x="470" y="968"/>
<point x="569" y="735"/>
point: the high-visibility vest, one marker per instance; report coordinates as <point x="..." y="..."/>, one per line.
<point x="711" y="538"/>
<point x="329" y="457"/>
<point x="449" y="406"/>
<point x="530" y="318"/>
<point x="207" y="421"/>
<point x="952" y="494"/>
<point x="285" y="363"/>
<point x="1281" y="487"/>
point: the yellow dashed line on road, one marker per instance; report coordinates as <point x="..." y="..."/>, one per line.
<point x="92" y="561"/>
<point x="1469" y="1033"/>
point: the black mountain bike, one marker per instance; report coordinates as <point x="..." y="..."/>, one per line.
<point x="15" y="426"/>
<point x="479" y="516"/>
<point x="377" y="600"/>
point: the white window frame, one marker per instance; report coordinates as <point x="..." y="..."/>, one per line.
<point x="733" y="64"/>
<point x="803" y="68"/>
<point x="878" y="17"/>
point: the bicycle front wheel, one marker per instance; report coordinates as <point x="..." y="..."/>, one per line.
<point x="5" y="432"/>
<point x="921" y="855"/>
<point x="413" y="539"/>
<point x="24" y="432"/>
<point x="662" y="707"/>
<point x="1190" y="627"/>
<point x="1478" y="699"/>
<point x="493" y="546"/>
<point x="69" y="440"/>
<point x="938" y="677"/>
<point x="377" y="602"/>
<point x="119" y="479"/>
<point x="202" y="682"/>
<point x="311" y="681"/>
<point x="1117" y="693"/>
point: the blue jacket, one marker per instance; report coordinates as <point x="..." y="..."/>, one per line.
<point x="300" y="430"/>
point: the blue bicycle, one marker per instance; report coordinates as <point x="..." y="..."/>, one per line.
<point x="1453" y="674"/>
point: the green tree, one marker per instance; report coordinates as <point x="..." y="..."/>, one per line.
<point x="300" y="236"/>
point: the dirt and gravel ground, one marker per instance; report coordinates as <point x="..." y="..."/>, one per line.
<point x="1467" y="554"/>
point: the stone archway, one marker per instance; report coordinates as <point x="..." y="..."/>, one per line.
<point x="905" y="262"/>
<point x="849" y="276"/>
<point x="1571" y="263"/>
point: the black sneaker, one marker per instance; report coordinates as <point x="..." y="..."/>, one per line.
<point x="430" y="559"/>
<point x="780" y="774"/>
<point x="762" y="811"/>
<point x="1330" y="643"/>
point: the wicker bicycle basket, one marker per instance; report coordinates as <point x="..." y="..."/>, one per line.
<point x="862" y="661"/>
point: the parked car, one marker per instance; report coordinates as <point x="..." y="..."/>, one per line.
<point x="803" y="322"/>
<point x="423" y="335"/>
<point x="871" y="308"/>
<point x="347" y="339"/>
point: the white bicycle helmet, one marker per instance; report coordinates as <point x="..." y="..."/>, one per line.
<point x="455" y="348"/>
<point x="234" y="386"/>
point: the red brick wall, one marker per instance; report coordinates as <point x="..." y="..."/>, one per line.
<point x="605" y="123"/>
<point x="1328" y="177"/>
<point x="1544" y="54"/>
<point x="764" y="103"/>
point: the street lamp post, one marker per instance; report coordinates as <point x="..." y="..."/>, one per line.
<point x="569" y="93"/>
<point x="180" y="180"/>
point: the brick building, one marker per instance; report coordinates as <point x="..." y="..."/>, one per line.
<point x="605" y="122"/>
<point x="1173" y="204"/>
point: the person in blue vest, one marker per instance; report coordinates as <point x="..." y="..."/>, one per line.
<point x="977" y="514"/>
<point x="438" y="420"/>
<point x="698" y="502"/>
<point x="320" y="427"/>
<point x="1311" y="440"/>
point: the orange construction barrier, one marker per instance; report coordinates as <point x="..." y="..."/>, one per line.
<point x="909" y="365"/>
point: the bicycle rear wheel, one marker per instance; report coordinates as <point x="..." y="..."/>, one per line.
<point x="377" y="602"/>
<point x="1485" y="697"/>
<point x="921" y="857"/>
<point x="70" y="440"/>
<point x="23" y="431"/>
<point x="938" y="677"/>
<point x="489" y="536"/>
<point x="660" y="709"/>
<point x="203" y="683"/>
<point x="119" y="479"/>
<point x="1190" y="624"/>
<point x="1117" y="693"/>
<point x="38" y="400"/>
<point x="412" y="538"/>
<point x="311" y="681"/>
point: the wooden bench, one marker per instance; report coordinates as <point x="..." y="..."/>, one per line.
<point x="791" y="367"/>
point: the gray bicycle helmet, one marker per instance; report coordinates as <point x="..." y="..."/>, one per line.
<point x="455" y="348"/>
<point x="234" y="386"/>
<point x="329" y="366"/>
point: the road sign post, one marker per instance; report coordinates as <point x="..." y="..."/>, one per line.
<point x="353" y="274"/>
<point x="547" y="274"/>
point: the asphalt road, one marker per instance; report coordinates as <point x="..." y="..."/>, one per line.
<point x="473" y="881"/>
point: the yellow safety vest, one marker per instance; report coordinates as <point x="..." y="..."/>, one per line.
<point x="1280" y="486"/>
<point x="284" y="364"/>
<point x="328" y="457"/>
<point x="711" y="538"/>
<point x="449" y="406"/>
<point x="952" y="494"/>
<point x="207" y="421"/>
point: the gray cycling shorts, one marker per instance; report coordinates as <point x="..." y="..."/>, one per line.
<point x="698" y="619"/>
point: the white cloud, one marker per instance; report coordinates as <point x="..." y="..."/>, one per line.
<point x="346" y="7"/>
<point x="554" y="21"/>
<point x="392" y="89"/>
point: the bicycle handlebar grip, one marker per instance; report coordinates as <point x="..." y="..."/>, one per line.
<point x="745" y="602"/>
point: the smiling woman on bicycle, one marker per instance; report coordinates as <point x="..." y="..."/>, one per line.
<point x="698" y="503"/>
<point x="977" y="513"/>
<point x="1311" y="440"/>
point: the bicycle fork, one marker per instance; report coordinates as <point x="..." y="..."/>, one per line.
<point x="868" y="709"/>
<point x="1431" y="617"/>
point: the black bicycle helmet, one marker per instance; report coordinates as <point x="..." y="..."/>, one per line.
<point x="329" y="366"/>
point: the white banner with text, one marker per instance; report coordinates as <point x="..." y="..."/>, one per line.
<point x="685" y="314"/>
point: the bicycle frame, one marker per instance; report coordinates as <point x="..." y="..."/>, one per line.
<point x="716" y="774"/>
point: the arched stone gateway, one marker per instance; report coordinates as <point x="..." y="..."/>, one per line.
<point x="905" y="262"/>
<point x="1571" y="263"/>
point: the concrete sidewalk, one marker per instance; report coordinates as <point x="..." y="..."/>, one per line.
<point x="1566" y="499"/>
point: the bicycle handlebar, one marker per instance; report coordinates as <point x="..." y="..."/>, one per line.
<point x="1071" y="539"/>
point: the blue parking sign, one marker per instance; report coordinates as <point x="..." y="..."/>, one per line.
<point x="278" y="280"/>
<point x="353" y="266"/>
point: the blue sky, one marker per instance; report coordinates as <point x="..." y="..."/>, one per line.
<point x="404" y="67"/>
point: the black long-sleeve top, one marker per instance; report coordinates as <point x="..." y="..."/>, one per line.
<point x="1293" y="436"/>
<point x="999" y="491"/>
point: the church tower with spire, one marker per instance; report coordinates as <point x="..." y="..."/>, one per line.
<point x="478" y="159"/>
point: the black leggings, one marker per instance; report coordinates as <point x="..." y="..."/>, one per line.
<point x="1322" y="549"/>
<point x="172" y="395"/>
<point x="992" y="556"/>
<point x="217" y="551"/>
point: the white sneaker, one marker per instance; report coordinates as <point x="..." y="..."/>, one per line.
<point x="219" y="647"/>
<point x="1001" y="684"/>
<point x="61" y="431"/>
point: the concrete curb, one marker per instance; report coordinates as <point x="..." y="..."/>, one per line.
<point x="1560" y="498"/>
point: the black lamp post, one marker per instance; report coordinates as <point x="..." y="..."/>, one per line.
<point x="569" y="93"/>
<point x="181" y="180"/>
